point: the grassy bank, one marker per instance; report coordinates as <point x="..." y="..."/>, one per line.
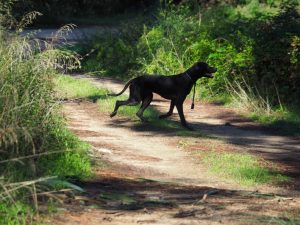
<point x="34" y="141"/>
<point x="71" y="88"/>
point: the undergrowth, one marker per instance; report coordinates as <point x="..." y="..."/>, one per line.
<point x="10" y="213"/>
<point x="34" y="141"/>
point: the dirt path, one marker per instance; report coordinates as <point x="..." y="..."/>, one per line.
<point x="225" y="124"/>
<point x="151" y="180"/>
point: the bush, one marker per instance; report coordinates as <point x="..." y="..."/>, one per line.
<point x="115" y="54"/>
<point x="240" y="42"/>
<point x="28" y="115"/>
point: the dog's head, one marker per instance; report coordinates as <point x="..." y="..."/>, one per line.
<point x="202" y="69"/>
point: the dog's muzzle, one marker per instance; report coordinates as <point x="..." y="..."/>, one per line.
<point x="210" y="71"/>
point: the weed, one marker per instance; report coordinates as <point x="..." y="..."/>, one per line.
<point x="17" y="214"/>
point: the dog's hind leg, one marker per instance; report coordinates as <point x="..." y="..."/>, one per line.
<point x="168" y="113"/>
<point x="130" y="102"/>
<point x="146" y="102"/>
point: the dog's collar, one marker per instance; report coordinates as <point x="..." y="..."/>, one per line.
<point x="188" y="76"/>
<point x="193" y="102"/>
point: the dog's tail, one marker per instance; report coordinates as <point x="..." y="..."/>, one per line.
<point x="124" y="89"/>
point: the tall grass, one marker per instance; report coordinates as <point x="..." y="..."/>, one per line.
<point x="34" y="140"/>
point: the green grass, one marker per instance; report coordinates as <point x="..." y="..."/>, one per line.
<point x="16" y="214"/>
<point x="285" y="121"/>
<point x="70" y="88"/>
<point x="246" y="169"/>
<point x="73" y="160"/>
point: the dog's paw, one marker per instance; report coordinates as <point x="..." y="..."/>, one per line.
<point x="163" y="116"/>
<point x="144" y="120"/>
<point x="113" y="114"/>
<point x="189" y="127"/>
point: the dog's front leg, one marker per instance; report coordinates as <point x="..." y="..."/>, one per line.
<point x="181" y="115"/>
<point x="168" y="113"/>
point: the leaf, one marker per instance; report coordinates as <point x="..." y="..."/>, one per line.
<point x="63" y="183"/>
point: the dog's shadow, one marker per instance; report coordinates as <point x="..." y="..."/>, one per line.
<point x="154" y="125"/>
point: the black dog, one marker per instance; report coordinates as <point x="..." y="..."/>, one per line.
<point x="175" y="88"/>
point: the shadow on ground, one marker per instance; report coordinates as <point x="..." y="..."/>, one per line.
<point x="180" y="201"/>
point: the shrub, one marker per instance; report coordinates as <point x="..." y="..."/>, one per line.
<point x="240" y="42"/>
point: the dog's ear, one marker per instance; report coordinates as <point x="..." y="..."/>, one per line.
<point x="201" y="66"/>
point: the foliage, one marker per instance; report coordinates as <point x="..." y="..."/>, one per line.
<point x="17" y="214"/>
<point x="28" y="118"/>
<point x="115" y="53"/>
<point x="238" y="39"/>
<point x="73" y="162"/>
<point x="59" y="12"/>
<point x="111" y="51"/>
<point x="244" y="168"/>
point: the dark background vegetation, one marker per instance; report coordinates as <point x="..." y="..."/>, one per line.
<point x="58" y="12"/>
